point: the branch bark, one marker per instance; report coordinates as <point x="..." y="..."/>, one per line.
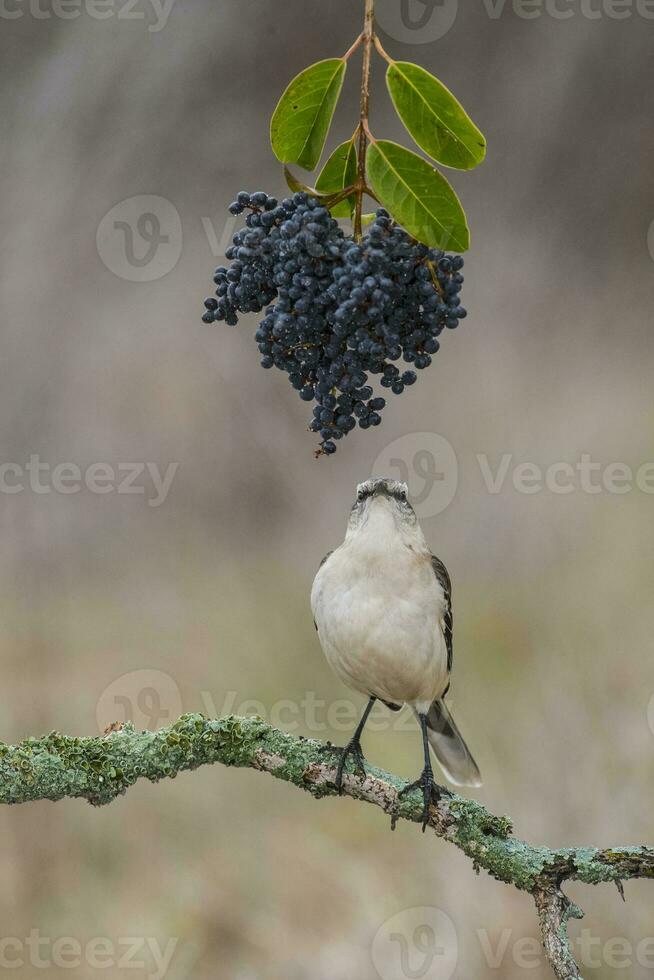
<point x="100" y="769"/>
<point x="554" y="910"/>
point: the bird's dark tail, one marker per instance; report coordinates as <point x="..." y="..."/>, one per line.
<point x="447" y="744"/>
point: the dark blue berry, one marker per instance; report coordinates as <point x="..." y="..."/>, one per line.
<point x="335" y="313"/>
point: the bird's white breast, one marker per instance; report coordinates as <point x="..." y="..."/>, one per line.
<point x="378" y="608"/>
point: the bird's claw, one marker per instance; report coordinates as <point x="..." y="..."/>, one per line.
<point x="431" y="792"/>
<point x="353" y="748"/>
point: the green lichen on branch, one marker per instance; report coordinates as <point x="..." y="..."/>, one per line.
<point x="100" y="769"/>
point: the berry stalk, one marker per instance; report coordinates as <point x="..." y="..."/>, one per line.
<point x="368" y="37"/>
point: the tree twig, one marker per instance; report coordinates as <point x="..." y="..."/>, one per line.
<point x="368" y="35"/>
<point x="554" y="910"/>
<point x="100" y="769"/>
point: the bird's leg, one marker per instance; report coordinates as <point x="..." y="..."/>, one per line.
<point x="353" y="747"/>
<point x="431" y="791"/>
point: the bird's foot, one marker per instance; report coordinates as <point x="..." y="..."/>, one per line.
<point x="431" y="792"/>
<point x="353" y="748"/>
<point x="328" y="748"/>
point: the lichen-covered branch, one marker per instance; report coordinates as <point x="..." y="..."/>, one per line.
<point x="100" y="769"/>
<point x="554" y="911"/>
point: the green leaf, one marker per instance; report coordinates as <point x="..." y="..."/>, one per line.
<point x="301" y="121"/>
<point x="417" y="196"/>
<point x="340" y="172"/>
<point x="434" y="118"/>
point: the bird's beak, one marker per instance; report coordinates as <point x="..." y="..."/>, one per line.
<point x="380" y="493"/>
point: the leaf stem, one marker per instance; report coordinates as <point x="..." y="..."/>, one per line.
<point x="367" y="41"/>
<point x="350" y="51"/>
<point x="333" y="199"/>
<point x="366" y="129"/>
<point x="380" y="50"/>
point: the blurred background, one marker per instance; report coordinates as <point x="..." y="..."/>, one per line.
<point x="127" y="130"/>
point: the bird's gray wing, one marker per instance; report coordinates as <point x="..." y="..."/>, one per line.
<point x="443" y="578"/>
<point x="329" y="553"/>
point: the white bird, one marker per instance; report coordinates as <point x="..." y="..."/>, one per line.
<point x="382" y="605"/>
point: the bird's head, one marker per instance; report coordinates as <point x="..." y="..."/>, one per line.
<point x="381" y="505"/>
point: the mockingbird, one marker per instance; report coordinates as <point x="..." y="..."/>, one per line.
<point x="382" y="605"/>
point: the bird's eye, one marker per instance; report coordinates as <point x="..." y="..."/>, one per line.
<point x="360" y="495"/>
<point x="403" y="497"/>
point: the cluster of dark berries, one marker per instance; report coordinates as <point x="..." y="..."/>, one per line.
<point x="344" y="310"/>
